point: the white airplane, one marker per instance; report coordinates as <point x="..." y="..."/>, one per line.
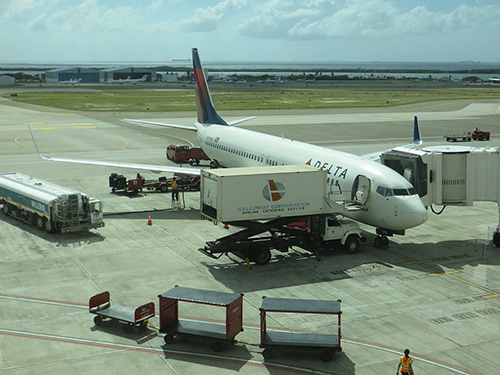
<point x="70" y="82"/>
<point x="376" y="194"/>
<point x="121" y="81"/>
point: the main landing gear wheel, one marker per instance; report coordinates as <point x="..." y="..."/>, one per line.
<point x="381" y="241"/>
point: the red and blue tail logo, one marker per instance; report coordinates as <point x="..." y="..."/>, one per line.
<point x="206" y="110"/>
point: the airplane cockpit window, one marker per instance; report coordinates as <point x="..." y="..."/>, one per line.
<point x="385" y="192"/>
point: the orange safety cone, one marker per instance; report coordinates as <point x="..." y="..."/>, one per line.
<point x="150" y="222"/>
<point x="226" y="226"/>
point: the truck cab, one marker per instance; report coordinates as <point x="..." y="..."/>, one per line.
<point x="337" y="228"/>
<point x="178" y="153"/>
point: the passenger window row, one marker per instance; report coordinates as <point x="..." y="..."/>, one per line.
<point x="248" y="155"/>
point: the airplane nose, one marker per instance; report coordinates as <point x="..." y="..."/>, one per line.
<point x="413" y="212"/>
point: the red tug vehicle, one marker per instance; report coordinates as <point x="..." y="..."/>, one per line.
<point x="184" y="153"/>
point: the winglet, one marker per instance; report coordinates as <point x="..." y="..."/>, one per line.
<point x="417" y="140"/>
<point x="34" y="142"/>
<point x="206" y="110"/>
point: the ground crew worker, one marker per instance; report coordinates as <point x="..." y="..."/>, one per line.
<point x="175" y="190"/>
<point x="405" y="364"/>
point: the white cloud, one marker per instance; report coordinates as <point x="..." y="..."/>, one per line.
<point x="208" y="19"/>
<point x="356" y="18"/>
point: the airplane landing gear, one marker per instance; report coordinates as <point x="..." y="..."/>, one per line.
<point x="381" y="241"/>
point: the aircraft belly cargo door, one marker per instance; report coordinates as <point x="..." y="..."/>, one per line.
<point x="360" y="189"/>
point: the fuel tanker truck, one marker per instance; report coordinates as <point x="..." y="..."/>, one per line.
<point x="48" y="206"/>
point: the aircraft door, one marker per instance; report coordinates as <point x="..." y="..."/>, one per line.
<point x="360" y="189"/>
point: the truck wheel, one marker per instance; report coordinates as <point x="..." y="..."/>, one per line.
<point x="262" y="256"/>
<point x="49" y="228"/>
<point x="163" y="188"/>
<point x="97" y="320"/>
<point x="352" y="244"/>
<point x="39" y="222"/>
<point x="6" y="208"/>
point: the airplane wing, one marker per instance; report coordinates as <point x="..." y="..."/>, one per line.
<point x="152" y="168"/>
<point x="417" y="141"/>
<point x="186" y="127"/>
<point x="147" y="167"/>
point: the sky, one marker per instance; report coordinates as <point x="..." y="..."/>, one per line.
<point x="249" y="30"/>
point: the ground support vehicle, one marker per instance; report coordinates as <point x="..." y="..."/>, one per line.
<point x="479" y="135"/>
<point x="267" y="199"/>
<point x="453" y="138"/>
<point x="476" y="135"/>
<point x="271" y="339"/>
<point x="220" y="334"/>
<point x="184" y="153"/>
<point x="48" y="206"/>
<point x="101" y="306"/>
<point x="323" y="232"/>
<point x="162" y="184"/>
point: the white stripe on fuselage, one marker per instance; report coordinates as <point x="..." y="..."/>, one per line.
<point x="236" y="147"/>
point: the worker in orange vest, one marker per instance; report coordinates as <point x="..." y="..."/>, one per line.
<point x="405" y="364"/>
<point x="175" y="190"/>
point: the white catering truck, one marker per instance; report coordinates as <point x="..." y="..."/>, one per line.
<point x="289" y="202"/>
<point x="48" y="206"/>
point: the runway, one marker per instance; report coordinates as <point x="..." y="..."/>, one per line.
<point x="435" y="290"/>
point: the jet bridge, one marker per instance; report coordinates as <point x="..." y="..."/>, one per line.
<point x="450" y="175"/>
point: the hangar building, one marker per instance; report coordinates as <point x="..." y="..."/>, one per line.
<point x="124" y="73"/>
<point x="6" y="80"/>
<point x="86" y="75"/>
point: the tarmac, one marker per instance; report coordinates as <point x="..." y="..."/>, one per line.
<point x="435" y="291"/>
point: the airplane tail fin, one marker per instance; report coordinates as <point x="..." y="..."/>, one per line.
<point x="206" y="110"/>
<point x="417" y="139"/>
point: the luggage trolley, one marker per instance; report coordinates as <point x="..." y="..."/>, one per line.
<point x="327" y="343"/>
<point x="172" y="326"/>
<point x="100" y="305"/>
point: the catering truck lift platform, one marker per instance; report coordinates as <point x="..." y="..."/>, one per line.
<point x="326" y="343"/>
<point x="171" y="325"/>
<point x="101" y="306"/>
<point x="269" y="199"/>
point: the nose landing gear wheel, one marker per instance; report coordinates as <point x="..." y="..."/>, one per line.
<point x="381" y="241"/>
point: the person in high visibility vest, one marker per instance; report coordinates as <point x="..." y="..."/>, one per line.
<point x="405" y="364"/>
<point x="175" y="190"/>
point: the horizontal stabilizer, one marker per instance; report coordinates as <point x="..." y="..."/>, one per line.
<point x="240" y="120"/>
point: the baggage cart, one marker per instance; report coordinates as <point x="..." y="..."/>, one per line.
<point x="171" y="325"/>
<point x="101" y="306"/>
<point x="326" y="343"/>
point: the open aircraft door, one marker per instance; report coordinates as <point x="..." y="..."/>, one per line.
<point x="361" y="189"/>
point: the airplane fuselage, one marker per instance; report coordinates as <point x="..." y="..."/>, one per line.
<point x="390" y="201"/>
